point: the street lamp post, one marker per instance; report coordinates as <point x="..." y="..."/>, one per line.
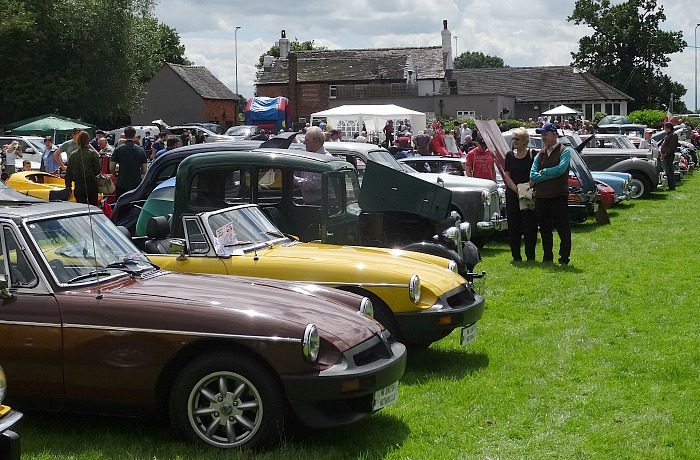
<point x="696" y="67"/>
<point x="235" y="45"/>
<point x="455" y="46"/>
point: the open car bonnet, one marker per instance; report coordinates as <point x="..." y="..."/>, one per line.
<point x="385" y="189"/>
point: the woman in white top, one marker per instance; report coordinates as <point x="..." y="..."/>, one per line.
<point x="11" y="154"/>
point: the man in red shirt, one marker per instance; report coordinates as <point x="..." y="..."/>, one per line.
<point x="480" y="162"/>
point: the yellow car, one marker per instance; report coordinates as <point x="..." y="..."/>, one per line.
<point x="419" y="297"/>
<point x="40" y="184"/>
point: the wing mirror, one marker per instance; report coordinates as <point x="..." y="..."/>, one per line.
<point x="4" y="292"/>
<point x="178" y="246"/>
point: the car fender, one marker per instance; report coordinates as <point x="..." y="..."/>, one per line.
<point x="636" y="164"/>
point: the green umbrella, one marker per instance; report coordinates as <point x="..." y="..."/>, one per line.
<point x="49" y="125"/>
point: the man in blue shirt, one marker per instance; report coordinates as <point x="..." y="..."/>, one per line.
<point x="549" y="176"/>
<point x="48" y="163"/>
<point x="171" y="143"/>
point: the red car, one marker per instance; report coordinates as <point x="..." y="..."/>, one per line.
<point x="605" y="193"/>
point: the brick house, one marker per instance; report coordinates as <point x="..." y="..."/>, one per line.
<point x="181" y="94"/>
<point x="423" y="79"/>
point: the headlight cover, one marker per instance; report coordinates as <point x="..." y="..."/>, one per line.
<point x="366" y="307"/>
<point x="414" y="288"/>
<point x="452" y="266"/>
<point x="3" y="384"/>
<point x="311" y="344"/>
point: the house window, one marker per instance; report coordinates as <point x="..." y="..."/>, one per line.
<point x="333" y="91"/>
<point x="609" y="108"/>
<point x="360" y="91"/>
<point x="616" y="108"/>
<point x="462" y="114"/>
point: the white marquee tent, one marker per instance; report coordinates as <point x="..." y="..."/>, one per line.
<point x="349" y="118"/>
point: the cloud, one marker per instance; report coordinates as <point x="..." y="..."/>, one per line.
<point x="522" y="33"/>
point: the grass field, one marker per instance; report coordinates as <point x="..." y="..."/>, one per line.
<point x="599" y="359"/>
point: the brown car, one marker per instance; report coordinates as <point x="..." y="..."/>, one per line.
<point x="88" y="324"/>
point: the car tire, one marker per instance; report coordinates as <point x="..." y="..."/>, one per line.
<point x="227" y="383"/>
<point x="640" y="185"/>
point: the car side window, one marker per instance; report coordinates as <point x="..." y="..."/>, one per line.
<point x="308" y="188"/>
<point x="196" y="239"/>
<point x="15" y="261"/>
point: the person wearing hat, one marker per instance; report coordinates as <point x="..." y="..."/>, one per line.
<point x="95" y="142"/>
<point x="646" y="143"/>
<point x="335" y="135"/>
<point x="549" y="176"/>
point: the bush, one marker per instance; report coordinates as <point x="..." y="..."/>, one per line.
<point x="649" y="117"/>
<point x="597" y="117"/>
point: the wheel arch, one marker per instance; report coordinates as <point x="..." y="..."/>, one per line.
<point x="164" y="383"/>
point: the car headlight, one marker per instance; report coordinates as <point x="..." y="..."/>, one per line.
<point x="414" y="288"/>
<point x="3" y="384"/>
<point x="366" y="307"/>
<point x="452" y="266"/>
<point x="311" y="344"/>
<point x="451" y="234"/>
<point x="466" y="230"/>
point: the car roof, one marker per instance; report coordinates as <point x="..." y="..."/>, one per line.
<point x="269" y="157"/>
<point x="431" y="158"/>
<point x="39" y="209"/>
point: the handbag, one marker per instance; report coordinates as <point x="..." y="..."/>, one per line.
<point x="105" y="185"/>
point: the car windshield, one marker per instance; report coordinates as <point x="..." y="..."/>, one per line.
<point x="37" y="144"/>
<point x="240" y="229"/>
<point x="238" y="131"/>
<point x="83" y="248"/>
<point x="385" y="158"/>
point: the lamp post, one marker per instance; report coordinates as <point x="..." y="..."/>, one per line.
<point x="696" y="67"/>
<point x="456" y="46"/>
<point x="235" y="46"/>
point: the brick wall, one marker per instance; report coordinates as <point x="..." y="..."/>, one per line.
<point x="220" y="111"/>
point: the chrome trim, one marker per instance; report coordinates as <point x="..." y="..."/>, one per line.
<point x="29" y="323"/>
<point x="345" y="283"/>
<point x="185" y="333"/>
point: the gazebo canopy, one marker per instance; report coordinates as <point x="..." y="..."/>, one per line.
<point x="562" y="110"/>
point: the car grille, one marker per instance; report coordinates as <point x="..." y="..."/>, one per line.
<point x="460" y="298"/>
<point x="377" y="349"/>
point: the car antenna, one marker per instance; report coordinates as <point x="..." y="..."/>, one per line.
<point x="92" y="237"/>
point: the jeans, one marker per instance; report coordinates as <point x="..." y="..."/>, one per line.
<point x="554" y="213"/>
<point x="520" y="223"/>
<point x="667" y="164"/>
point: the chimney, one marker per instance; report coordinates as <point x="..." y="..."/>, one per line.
<point x="267" y="62"/>
<point x="447" y="59"/>
<point x="284" y="46"/>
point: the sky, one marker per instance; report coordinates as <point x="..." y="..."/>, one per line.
<point x="522" y="32"/>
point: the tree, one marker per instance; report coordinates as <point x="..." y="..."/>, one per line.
<point x="295" y="45"/>
<point x="75" y="59"/>
<point x="628" y="49"/>
<point x="477" y="59"/>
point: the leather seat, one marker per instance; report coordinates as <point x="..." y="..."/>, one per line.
<point x="158" y="232"/>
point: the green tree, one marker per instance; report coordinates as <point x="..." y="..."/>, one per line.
<point x="477" y="59"/>
<point x="628" y="49"/>
<point x="294" y="45"/>
<point x="80" y="58"/>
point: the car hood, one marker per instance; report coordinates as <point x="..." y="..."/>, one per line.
<point x="215" y="303"/>
<point x="356" y="264"/>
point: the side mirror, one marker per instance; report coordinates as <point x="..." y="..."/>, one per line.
<point x="4" y="292"/>
<point x="178" y="246"/>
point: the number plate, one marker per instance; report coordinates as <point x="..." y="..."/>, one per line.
<point x="468" y="334"/>
<point x="386" y="396"/>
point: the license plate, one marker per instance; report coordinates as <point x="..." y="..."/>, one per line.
<point x="386" y="396"/>
<point x="468" y="334"/>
